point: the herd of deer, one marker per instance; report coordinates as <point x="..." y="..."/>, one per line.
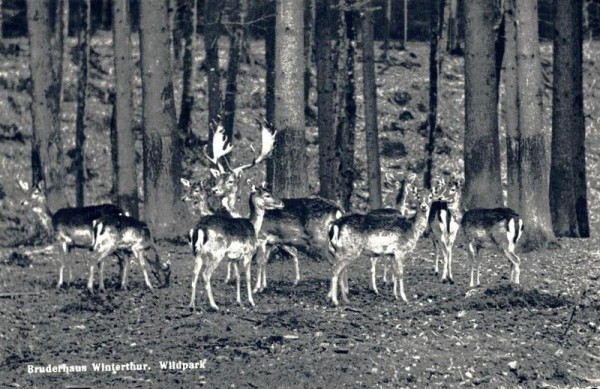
<point x="313" y="225"/>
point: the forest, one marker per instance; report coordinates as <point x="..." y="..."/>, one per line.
<point x="278" y="145"/>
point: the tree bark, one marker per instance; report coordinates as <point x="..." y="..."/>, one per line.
<point x="163" y="208"/>
<point x="240" y="8"/>
<point x="123" y="146"/>
<point x="309" y="25"/>
<point x="436" y="21"/>
<point x="270" y="65"/>
<point x="481" y="144"/>
<point x="405" y="25"/>
<point x="453" y="47"/>
<point x="83" y="48"/>
<point x="328" y="168"/>
<point x="46" y="143"/>
<point x="534" y="142"/>
<point x="347" y="124"/>
<point x="370" y="93"/>
<point x="568" y="199"/>
<point x="288" y="166"/>
<point x="189" y="72"/>
<point x="387" y="28"/>
<point x="212" y="21"/>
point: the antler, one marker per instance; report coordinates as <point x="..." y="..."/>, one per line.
<point x="220" y="145"/>
<point x="268" y="134"/>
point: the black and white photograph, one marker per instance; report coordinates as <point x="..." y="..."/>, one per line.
<point x="299" y="193"/>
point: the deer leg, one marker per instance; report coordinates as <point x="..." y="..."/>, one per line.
<point x="338" y="267"/>
<point x="344" y="280"/>
<point x="437" y="255"/>
<point x="515" y="268"/>
<point x="247" y="266"/>
<point x="138" y="252"/>
<point x="472" y="252"/>
<point x="228" y="276"/>
<point x="374" y="274"/>
<point x="262" y="257"/>
<point x="197" y="268"/>
<point x="101" y="276"/>
<point x="449" y="253"/>
<point x="125" y="271"/>
<point x="399" y="276"/>
<point x="206" y="276"/>
<point x="385" y="271"/>
<point x="444" y="249"/>
<point x="294" y="253"/>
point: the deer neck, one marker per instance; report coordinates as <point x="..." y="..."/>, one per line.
<point x="257" y="216"/>
<point x="401" y="198"/>
<point x="420" y="224"/>
<point x="456" y="206"/>
<point x="228" y="203"/>
<point x="43" y="212"/>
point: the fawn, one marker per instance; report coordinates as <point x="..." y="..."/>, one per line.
<point x="71" y="227"/>
<point x="114" y="233"/>
<point x="218" y="237"/>
<point x="353" y="235"/>
<point x="497" y="228"/>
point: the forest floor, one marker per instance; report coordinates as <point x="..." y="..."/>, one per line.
<point x="544" y="333"/>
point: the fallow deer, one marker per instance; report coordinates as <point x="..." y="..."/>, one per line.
<point x="113" y="233"/>
<point x="355" y="235"/>
<point x="217" y="237"/>
<point x="496" y="228"/>
<point x="71" y="227"/>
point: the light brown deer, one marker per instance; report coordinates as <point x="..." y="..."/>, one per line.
<point x="216" y="237"/>
<point x="355" y="235"/>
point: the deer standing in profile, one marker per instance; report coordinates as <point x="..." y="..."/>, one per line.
<point x="114" y="233"/>
<point x="301" y="224"/>
<point x="70" y="227"/>
<point x="217" y="237"/>
<point x="355" y="235"/>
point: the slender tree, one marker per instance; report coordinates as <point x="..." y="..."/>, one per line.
<point x="347" y="117"/>
<point x="404" y="24"/>
<point x="163" y="210"/>
<point x="481" y="142"/>
<point x="453" y="43"/>
<point x="533" y="140"/>
<point x="568" y="199"/>
<point x="212" y="22"/>
<point x="387" y="10"/>
<point x="189" y="70"/>
<point x="370" y="93"/>
<point x="309" y="26"/>
<point x="328" y="168"/>
<point x="83" y="49"/>
<point x="288" y="166"/>
<point x="123" y="139"/>
<point x="270" y="65"/>
<point x="46" y="143"/>
<point x="238" y="17"/>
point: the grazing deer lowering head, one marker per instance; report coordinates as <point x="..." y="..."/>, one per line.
<point x="355" y="235"/>
<point x="71" y="227"/>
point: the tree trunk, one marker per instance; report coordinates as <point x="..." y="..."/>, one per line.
<point x="328" y="168"/>
<point x="387" y="28"/>
<point x="270" y="65"/>
<point x="212" y="22"/>
<point x="347" y="125"/>
<point x="309" y="24"/>
<point x="83" y="49"/>
<point x="163" y="208"/>
<point x="481" y="143"/>
<point x="60" y="34"/>
<point x="123" y="145"/>
<point x="288" y="166"/>
<point x="568" y="200"/>
<point x="436" y="20"/>
<point x="46" y="143"/>
<point x="370" y="93"/>
<point x="534" y="142"/>
<point x="239" y="10"/>
<point x="510" y="109"/>
<point x="405" y="25"/>
<point x="189" y="72"/>
<point x="453" y="47"/>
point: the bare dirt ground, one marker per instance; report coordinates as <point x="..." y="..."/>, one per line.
<point x="542" y="334"/>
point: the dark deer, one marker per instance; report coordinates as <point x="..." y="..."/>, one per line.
<point x="71" y="227"/>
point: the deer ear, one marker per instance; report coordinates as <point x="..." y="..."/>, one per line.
<point x="40" y="185"/>
<point x="215" y="173"/>
<point x="185" y="182"/>
<point x="253" y="189"/>
<point x="264" y="185"/>
<point x="24" y="185"/>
